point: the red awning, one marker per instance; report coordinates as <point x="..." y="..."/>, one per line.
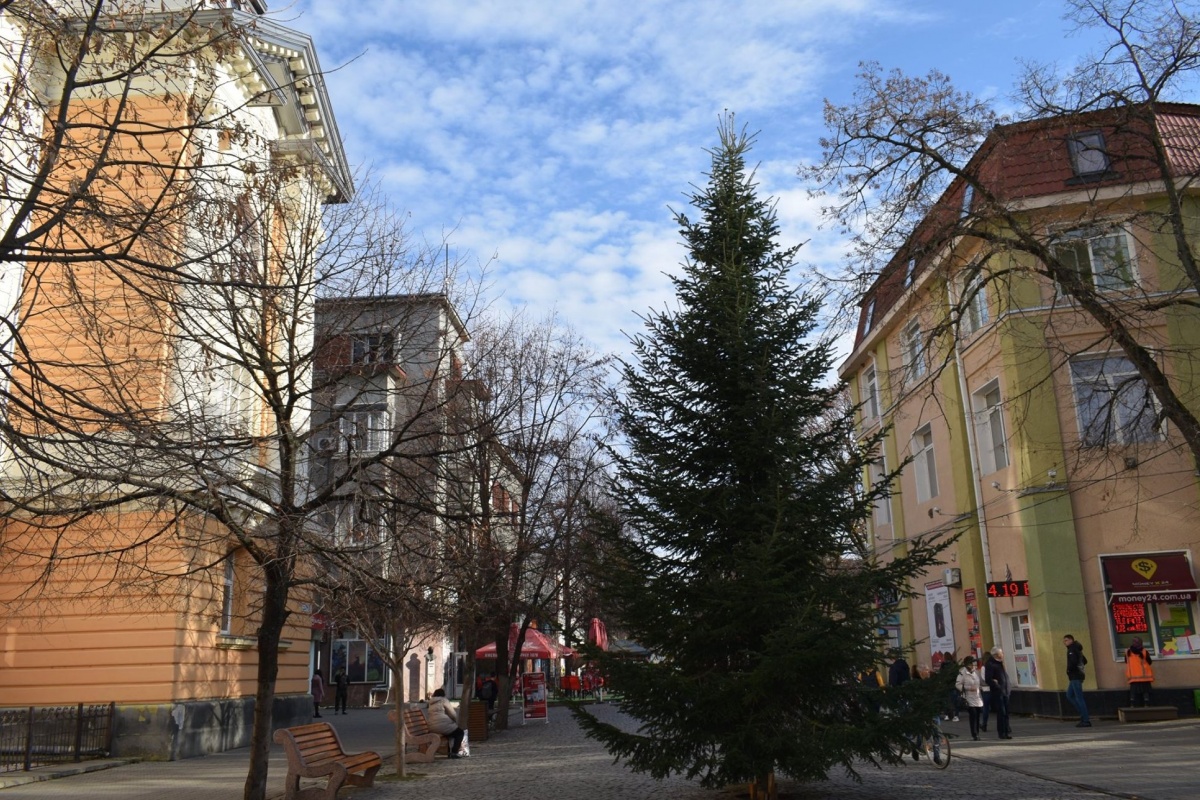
<point x="1151" y="578"/>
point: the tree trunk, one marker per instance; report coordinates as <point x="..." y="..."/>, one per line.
<point x="274" y="615"/>
<point x="503" y="684"/>
<point x="397" y="667"/>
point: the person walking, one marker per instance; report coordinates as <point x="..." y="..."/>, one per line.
<point x="967" y="683"/>
<point x="1075" y="675"/>
<point x="341" y="690"/>
<point x="985" y="692"/>
<point x="899" y="672"/>
<point x="1139" y="673"/>
<point x="443" y="719"/>
<point x="317" y="688"/>
<point x="997" y="680"/>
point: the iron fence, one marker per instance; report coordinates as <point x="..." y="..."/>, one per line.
<point x="36" y="737"/>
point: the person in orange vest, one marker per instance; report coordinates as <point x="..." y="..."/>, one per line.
<point x="1139" y="673"/>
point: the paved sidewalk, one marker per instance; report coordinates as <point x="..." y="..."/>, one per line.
<point x="1047" y="760"/>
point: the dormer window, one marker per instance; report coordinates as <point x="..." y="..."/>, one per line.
<point x="1088" y="156"/>
<point x="869" y="316"/>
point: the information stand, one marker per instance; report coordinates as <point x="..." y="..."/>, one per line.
<point x="533" y="695"/>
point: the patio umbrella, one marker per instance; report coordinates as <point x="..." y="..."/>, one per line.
<point x="536" y="645"/>
<point x="597" y="633"/>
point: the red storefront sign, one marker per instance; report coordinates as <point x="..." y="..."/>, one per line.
<point x="1150" y="578"/>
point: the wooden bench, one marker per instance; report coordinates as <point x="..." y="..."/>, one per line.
<point x="420" y="743"/>
<point x="315" y="751"/>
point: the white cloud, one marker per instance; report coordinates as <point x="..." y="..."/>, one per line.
<point x="556" y="135"/>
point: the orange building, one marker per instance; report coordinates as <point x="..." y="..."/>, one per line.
<point x="147" y="203"/>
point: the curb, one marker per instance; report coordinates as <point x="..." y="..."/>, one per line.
<point x="7" y="781"/>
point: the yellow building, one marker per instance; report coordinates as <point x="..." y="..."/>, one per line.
<point x="153" y="202"/>
<point x="1020" y="420"/>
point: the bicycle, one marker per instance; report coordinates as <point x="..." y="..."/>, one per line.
<point x="937" y="748"/>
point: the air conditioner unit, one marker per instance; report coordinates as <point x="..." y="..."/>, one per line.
<point x="952" y="577"/>
<point x="326" y="444"/>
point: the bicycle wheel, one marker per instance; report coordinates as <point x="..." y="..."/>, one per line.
<point x="941" y="750"/>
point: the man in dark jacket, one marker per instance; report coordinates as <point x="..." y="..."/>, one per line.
<point x="996" y="677"/>
<point x="1075" y="675"/>
<point x="898" y="672"/>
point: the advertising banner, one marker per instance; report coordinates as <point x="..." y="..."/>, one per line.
<point x="533" y="690"/>
<point x="941" y="629"/>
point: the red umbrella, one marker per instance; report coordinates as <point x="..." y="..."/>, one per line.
<point x="536" y="645"/>
<point x="598" y="634"/>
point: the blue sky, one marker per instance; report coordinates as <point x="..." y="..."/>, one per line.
<point x="551" y="138"/>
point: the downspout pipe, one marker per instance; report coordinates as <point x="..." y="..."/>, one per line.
<point x="973" y="458"/>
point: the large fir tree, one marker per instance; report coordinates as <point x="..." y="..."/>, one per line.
<point x="744" y="570"/>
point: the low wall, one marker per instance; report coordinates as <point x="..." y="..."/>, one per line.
<point x="1101" y="703"/>
<point x="172" y="731"/>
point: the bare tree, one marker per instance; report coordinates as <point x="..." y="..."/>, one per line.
<point x="539" y="402"/>
<point x="921" y="175"/>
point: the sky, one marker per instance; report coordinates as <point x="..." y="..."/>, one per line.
<point x="549" y="141"/>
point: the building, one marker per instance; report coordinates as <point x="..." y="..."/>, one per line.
<point x="990" y="350"/>
<point x="404" y="442"/>
<point x="208" y="142"/>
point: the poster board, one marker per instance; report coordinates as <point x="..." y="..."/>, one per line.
<point x="941" y="627"/>
<point x="533" y="693"/>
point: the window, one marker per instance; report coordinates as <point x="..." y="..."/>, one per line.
<point x="364" y="431"/>
<point x="1152" y="596"/>
<point x="975" y="307"/>
<point x="1113" y="403"/>
<point x="883" y="506"/>
<point x="869" y="389"/>
<point x="360" y="523"/>
<point x="240" y="399"/>
<point x="989" y="427"/>
<point x="968" y="197"/>
<point x="1088" y="156"/>
<point x="913" y="347"/>
<point x="923" y="463"/>
<point x="1021" y="650"/>
<point x="869" y="315"/>
<point x="371" y="348"/>
<point x="910" y="272"/>
<point x="1102" y="258"/>
<point x="227" y="597"/>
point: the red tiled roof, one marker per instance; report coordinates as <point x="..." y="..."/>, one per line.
<point x="1031" y="159"/>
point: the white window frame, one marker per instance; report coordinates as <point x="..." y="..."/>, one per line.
<point x="967" y="198"/>
<point x="910" y="272"/>
<point x="912" y="345"/>
<point x="364" y="430"/>
<point x="1119" y="416"/>
<point x="925" y="463"/>
<point x="1088" y="154"/>
<point x="975" y="313"/>
<point x="227" y="595"/>
<point x="1020" y="648"/>
<point x="869" y="385"/>
<point x="990" y="432"/>
<point x="869" y="316"/>
<point x="1071" y="245"/>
